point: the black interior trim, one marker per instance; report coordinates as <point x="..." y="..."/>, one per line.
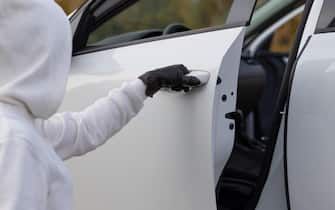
<point x="251" y="14"/>
<point x="81" y="34"/>
<point x="77" y="12"/>
<point x="325" y="30"/>
<point x="280" y="105"/>
<point x="175" y="28"/>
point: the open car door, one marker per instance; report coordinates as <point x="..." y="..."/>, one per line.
<point x="310" y="118"/>
<point x="172" y="154"/>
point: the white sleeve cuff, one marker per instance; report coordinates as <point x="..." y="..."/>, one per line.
<point x="139" y="88"/>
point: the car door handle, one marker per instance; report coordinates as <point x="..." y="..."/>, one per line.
<point x="203" y="76"/>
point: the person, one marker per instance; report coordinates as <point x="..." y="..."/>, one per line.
<point x="35" y="57"/>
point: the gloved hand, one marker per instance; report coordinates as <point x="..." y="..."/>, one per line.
<point x="173" y="77"/>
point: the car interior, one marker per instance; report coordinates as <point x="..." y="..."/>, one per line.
<point x="144" y="34"/>
<point x="260" y="79"/>
<point x="259" y="84"/>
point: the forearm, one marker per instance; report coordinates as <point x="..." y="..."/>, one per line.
<point x="108" y="115"/>
<point x="74" y="134"/>
<point x="81" y="132"/>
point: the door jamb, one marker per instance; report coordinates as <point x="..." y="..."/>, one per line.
<point x="282" y="100"/>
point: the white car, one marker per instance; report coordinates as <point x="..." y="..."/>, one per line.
<point x="259" y="135"/>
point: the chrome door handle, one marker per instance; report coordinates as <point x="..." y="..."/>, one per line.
<point x="203" y="76"/>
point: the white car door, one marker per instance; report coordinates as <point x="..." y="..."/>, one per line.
<point x="311" y="117"/>
<point x="172" y="154"/>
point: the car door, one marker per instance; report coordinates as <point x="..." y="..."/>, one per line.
<point x="310" y="119"/>
<point x="172" y="154"/>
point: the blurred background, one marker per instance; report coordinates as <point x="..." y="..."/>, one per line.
<point x="217" y="10"/>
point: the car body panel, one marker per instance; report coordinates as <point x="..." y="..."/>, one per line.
<point x="310" y="138"/>
<point x="311" y="22"/>
<point x="310" y="127"/>
<point x="164" y="158"/>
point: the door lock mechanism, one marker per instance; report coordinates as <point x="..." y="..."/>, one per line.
<point x="236" y="115"/>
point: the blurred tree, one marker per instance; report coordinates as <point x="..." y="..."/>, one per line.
<point x="70" y="5"/>
<point x="283" y="38"/>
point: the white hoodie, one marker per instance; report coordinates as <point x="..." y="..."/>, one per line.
<point x="35" y="54"/>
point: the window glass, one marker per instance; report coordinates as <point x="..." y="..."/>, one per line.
<point x="155" y="16"/>
<point x="158" y="14"/>
<point x="261" y="3"/>
<point x="327" y="17"/>
<point x="283" y="38"/>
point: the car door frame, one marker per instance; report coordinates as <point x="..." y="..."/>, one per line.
<point x="313" y="35"/>
<point x="280" y="109"/>
<point x="304" y="35"/>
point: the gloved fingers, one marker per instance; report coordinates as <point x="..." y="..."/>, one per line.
<point x="191" y="81"/>
<point x="177" y="89"/>
<point x="176" y="68"/>
<point x="183" y="88"/>
<point x="168" y="77"/>
<point x="186" y="89"/>
<point x="183" y="69"/>
<point x="155" y="86"/>
<point x="152" y="92"/>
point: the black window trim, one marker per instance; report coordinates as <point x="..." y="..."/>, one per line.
<point x="116" y="9"/>
<point x="119" y="7"/>
<point x="323" y="30"/>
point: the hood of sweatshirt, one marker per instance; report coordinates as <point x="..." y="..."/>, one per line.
<point x="35" y="55"/>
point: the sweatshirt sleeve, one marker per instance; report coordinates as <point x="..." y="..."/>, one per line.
<point x="75" y="134"/>
<point x="23" y="177"/>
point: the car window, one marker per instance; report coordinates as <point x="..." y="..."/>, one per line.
<point x="149" y="18"/>
<point x="159" y="14"/>
<point x="284" y="37"/>
<point x="261" y="3"/>
<point x="326" y="20"/>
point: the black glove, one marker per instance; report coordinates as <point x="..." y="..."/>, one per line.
<point x="172" y="77"/>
